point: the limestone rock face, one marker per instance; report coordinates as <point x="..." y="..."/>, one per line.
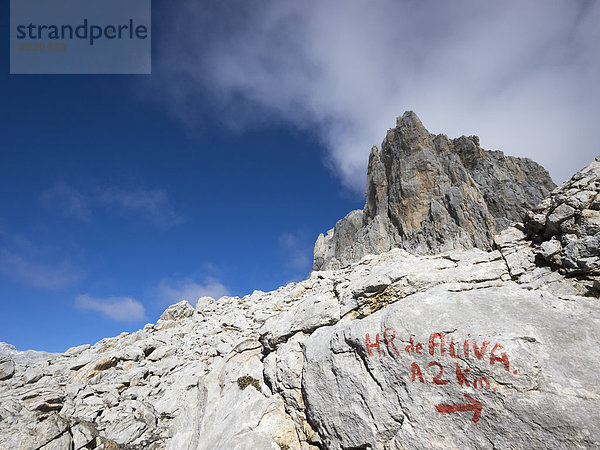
<point x="7" y="368"/>
<point x="566" y="226"/>
<point x="402" y="379"/>
<point x="429" y="194"/>
<point x="463" y="349"/>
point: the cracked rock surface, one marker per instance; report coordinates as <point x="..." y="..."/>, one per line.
<point x="566" y="226"/>
<point x="360" y="357"/>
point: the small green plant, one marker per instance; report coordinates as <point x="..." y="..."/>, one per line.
<point x="247" y="380"/>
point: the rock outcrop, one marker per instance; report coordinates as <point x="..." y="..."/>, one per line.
<point x="467" y="348"/>
<point x="28" y="357"/>
<point x="371" y="356"/>
<point x="566" y="227"/>
<point x="428" y="193"/>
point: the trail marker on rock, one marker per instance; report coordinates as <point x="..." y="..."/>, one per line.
<point x="473" y="405"/>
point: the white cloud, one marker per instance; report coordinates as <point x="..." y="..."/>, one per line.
<point x="67" y="201"/>
<point x="152" y="205"/>
<point x="22" y="268"/>
<point x="521" y="75"/>
<point x="122" y="309"/>
<point x="169" y="292"/>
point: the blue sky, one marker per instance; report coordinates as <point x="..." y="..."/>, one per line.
<point x="106" y="196"/>
<point x="215" y="174"/>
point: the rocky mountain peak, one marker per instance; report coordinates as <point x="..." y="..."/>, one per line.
<point x="427" y="193"/>
<point x="410" y="130"/>
<point x="410" y="120"/>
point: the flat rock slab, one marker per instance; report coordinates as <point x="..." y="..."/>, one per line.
<point x="498" y="367"/>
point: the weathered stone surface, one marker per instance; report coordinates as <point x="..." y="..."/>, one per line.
<point x="74" y="351"/>
<point x="306" y="314"/>
<point x="429" y="194"/>
<point x="204" y="303"/>
<point x="367" y="392"/>
<point x="178" y="311"/>
<point x="392" y="276"/>
<point x="228" y="417"/>
<point x="83" y="433"/>
<point x="45" y="400"/>
<point x="27" y="357"/>
<point x="283" y="371"/>
<point x="565" y="227"/>
<point x="32" y="434"/>
<point x="127" y="430"/>
<point x="7" y="369"/>
<point x="34" y="374"/>
<point x="64" y="441"/>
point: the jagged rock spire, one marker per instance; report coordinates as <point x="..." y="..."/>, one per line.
<point x="427" y="193"/>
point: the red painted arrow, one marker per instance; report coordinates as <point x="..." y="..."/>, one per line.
<point x="473" y="405"/>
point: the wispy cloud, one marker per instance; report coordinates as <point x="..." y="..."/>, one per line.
<point x="152" y="205"/>
<point x="122" y="309"/>
<point x="67" y="201"/>
<point x="522" y="75"/>
<point x="23" y="269"/>
<point x="172" y="291"/>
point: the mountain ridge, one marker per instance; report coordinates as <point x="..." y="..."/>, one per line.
<point x="460" y="348"/>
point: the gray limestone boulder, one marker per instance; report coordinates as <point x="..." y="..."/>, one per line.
<point x="498" y="367"/>
<point x="178" y="311"/>
<point x="7" y="369"/>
